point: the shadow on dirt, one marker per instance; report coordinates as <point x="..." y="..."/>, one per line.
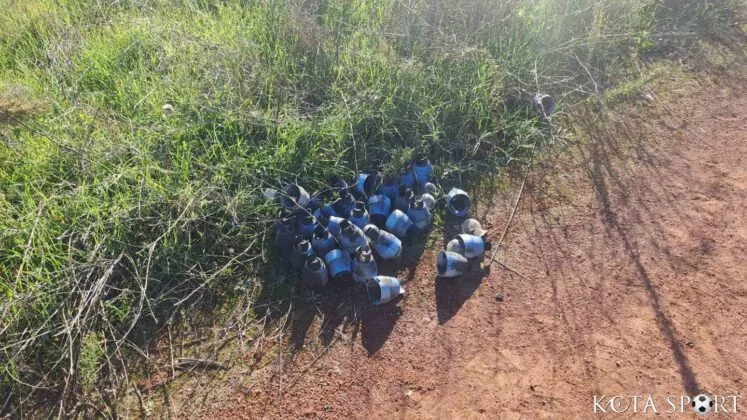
<point x="347" y="313"/>
<point x="632" y="178"/>
<point x="597" y="160"/>
<point x="344" y="311"/>
<point x="377" y="324"/>
<point x="301" y="322"/>
<point x="452" y="293"/>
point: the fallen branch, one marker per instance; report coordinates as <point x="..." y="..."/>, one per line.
<point x="510" y="217"/>
<point x="191" y="362"/>
<point x="507" y="268"/>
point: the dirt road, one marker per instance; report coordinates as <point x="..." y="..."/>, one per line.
<point x="631" y="244"/>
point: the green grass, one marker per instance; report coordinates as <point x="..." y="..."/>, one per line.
<point x="113" y="209"/>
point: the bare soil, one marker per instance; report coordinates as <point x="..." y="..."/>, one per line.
<point x="631" y="244"/>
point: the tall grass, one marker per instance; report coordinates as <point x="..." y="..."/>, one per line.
<point x="136" y="137"/>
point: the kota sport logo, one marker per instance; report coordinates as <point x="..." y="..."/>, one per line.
<point x="701" y="404"/>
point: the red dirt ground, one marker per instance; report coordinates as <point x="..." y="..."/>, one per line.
<point x="632" y="246"/>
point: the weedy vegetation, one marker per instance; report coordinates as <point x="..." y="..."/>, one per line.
<point x="136" y="137"/>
